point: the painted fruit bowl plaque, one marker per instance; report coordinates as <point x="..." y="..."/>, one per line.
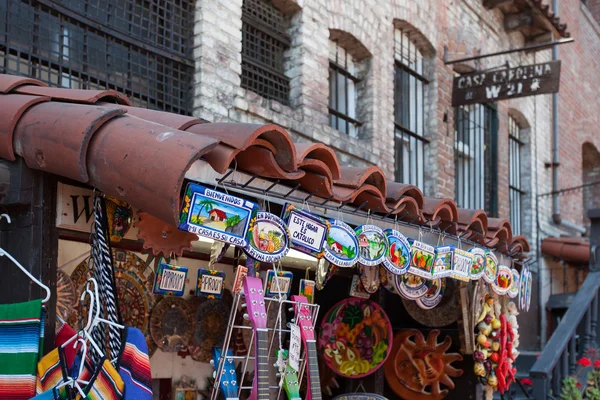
<point x="355" y="338"/>
<point x="397" y="257"/>
<point x="268" y="238"/>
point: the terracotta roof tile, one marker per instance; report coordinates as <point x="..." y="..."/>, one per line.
<point x="54" y="136"/>
<point x="9" y="82"/>
<point x="74" y="95"/>
<point x="306" y="152"/>
<point x="12" y="108"/>
<point x="355" y="177"/>
<point x="572" y="250"/>
<point x="396" y="191"/>
<point x="262" y="162"/>
<point x="177" y="121"/>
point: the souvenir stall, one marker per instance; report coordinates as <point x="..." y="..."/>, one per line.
<point x="247" y="266"/>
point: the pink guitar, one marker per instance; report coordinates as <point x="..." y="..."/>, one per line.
<point x="305" y="321"/>
<point x="257" y="314"/>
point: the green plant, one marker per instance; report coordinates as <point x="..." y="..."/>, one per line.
<point x="233" y="220"/>
<point x="571" y="386"/>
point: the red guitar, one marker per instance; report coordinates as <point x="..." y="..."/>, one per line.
<point x="257" y="314"/>
<point x="304" y="319"/>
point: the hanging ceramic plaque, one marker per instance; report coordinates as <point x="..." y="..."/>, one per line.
<point x="491" y="267"/>
<point x="372" y="245"/>
<point x="397" y="257"/>
<point x="308" y="232"/>
<point x="357" y="289"/>
<point x="210" y="283"/>
<point x="280" y="285"/>
<point x="216" y="215"/>
<point x="503" y="281"/>
<point x="387" y="279"/>
<point x="238" y="283"/>
<point x="369" y="277"/>
<point x="421" y="259"/>
<point x="410" y="286"/>
<point x="170" y="280"/>
<point x="307" y="289"/>
<point x="461" y="267"/>
<point x="514" y="286"/>
<point x="341" y="246"/>
<point x="444" y="259"/>
<point x="522" y="288"/>
<point x="434" y="294"/>
<point x="478" y="267"/>
<point x="268" y="238"/>
<point x="528" y="290"/>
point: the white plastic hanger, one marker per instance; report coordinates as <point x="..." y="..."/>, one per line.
<point x="11" y="258"/>
<point x="75" y="382"/>
<point x="86" y="331"/>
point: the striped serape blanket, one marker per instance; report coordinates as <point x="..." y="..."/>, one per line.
<point x="20" y="339"/>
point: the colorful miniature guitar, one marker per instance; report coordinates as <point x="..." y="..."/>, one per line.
<point x="257" y="314"/>
<point x="290" y="379"/>
<point x="305" y="321"/>
<point x="228" y="380"/>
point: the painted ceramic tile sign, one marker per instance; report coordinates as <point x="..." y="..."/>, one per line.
<point x="491" y="267"/>
<point x="308" y="232"/>
<point x="216" y="215"/>
<point x="170" y="280"/>
<point x="478" y="267"/>
<point x="461" y="267"/>
<point x="522" y="289"/>
<point x="357" y="289"/>
<point x="434" y="294"/>
<point x="210" y="283"/>
<point x="514" y="286"/>
<point x="278" y="285"/>
<point x="503" y="281"/>
<point x="410" y="286"/>
<point x="307" y="289"/>
<point x="528" y="290"/>
<point x="238" y="283"/>
<point x="421" y="261"/>
<point x="341" y="246"/>
<point x="444" y="259"/>
<point x="268" y="238"/>
<point x="397" y="259"/>
<point x="372" y="245"/>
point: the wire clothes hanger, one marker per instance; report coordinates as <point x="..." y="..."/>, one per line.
<point x="11" y="258"/>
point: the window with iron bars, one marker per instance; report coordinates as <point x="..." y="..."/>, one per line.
<point x="264" y="42"/>
<point x="516" y="192"/>
<point x="476" y="158"/>
<point x="342" y="91"/>
<point x="409" y="111"/>
<point x="139" y="48"/>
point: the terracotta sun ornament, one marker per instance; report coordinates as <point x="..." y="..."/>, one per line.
<point x="417" y="367"/>
<point x="161" y="237"/>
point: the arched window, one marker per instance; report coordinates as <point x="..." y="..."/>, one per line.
<point x="409" y="109"/>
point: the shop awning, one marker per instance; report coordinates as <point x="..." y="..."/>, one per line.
<point x="141" y="156"/>
<point x="570" y="250"/>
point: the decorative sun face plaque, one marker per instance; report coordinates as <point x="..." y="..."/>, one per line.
<point x="397" y="257"/>
<point x="170" y="280"/>
<point x="216" y="215"/>
<point x="308" y="232"/>
<point x="268" y="238"/>
<point x="341" y="246"/>
<point x="372" y="245"/>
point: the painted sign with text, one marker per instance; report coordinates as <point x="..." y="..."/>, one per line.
<point x="507" y="83"/>
<point x="210" y="283"/>
<point x="307" y="231"/>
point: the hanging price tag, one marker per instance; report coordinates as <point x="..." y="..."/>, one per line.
<point x="295" y="347"/>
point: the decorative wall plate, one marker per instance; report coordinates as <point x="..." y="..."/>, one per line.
<point x="267" y="238"/>
<point x="369" y="277"/>
<point x="372" y="245"/>
<point x="387" y="279"/>
<point x="161" y="237"/>
<point x="308" y="232"/>
<point x="514" y="286"/>
<point x="341" y="246"/>
<point x="522" y="289"/>
<point x="357" y="289"/>
<point x="355" y="337"/>
<point x="528" y="290"/>
<point x="172" y="324"/>
<point x="66" y="299"/>
<point x="410" y="286"/>
<point x="211" y="318"/>
<point x="503" y="281"/>
<point x="434" y="295"/>
<point x="417" y="367"/>
<point x="478" y="267"/>
<point x="443" y="314"/>
<point x="397" y="258"/>
<point x="422" y="256"/>
<point x="491" y="267"/>
<point x="219" y="216"/>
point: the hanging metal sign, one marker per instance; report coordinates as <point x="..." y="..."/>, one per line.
<point x="507" y="83"/>
<point x="308" y="232"/>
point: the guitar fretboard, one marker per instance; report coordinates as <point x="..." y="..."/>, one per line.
<point x="261" y="364"/>
<point x="313" y="370"/>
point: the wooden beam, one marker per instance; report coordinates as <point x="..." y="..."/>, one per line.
<point x="491" y="4"/>
<point x="513" y="22"/>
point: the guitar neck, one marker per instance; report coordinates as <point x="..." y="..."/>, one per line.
<point x="314" y="382"/>
<point x="261" y="365"/>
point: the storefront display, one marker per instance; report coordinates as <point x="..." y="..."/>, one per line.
<point x="172" y="324"/>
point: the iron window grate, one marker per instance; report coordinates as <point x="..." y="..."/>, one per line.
<point x="475" y="157"/>
<point x="65" y="49"/>
<point x="264" y="43"/>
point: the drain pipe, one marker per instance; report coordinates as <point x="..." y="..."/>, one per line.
<point x="556" y="217"/>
